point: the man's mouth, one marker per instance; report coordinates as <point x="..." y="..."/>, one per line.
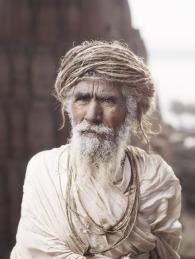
<point x="89" y="132"/>
<point x="94" y="134"/>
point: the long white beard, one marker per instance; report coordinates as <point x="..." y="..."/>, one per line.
<point x="98" y="156"/>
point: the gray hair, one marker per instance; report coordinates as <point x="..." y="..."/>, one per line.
<point x="113" y="62"/>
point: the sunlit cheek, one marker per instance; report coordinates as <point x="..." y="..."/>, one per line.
<point x="78" y="113"/>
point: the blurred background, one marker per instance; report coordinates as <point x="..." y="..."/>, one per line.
<point x="34" y="34"/>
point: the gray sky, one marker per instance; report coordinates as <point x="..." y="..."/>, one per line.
<point x="167" y="28"/>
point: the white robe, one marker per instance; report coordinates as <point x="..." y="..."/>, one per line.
<point x="44" y="232"/>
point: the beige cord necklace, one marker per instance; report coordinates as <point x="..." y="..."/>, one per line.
<point x="124" y="225"/>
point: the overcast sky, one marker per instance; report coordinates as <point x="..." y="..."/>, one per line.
<point x="167" y="28"/>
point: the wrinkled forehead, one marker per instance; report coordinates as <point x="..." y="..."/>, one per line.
<point x="99" y="86"/>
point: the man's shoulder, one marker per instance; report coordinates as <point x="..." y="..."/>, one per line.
<point x="45" y="161"/>
<point x="48" y="155"/>
<point x="145" y="157"/>
<point x="151" y="165"/>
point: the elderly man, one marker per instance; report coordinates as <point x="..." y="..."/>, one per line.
<point x="98" y="196"/>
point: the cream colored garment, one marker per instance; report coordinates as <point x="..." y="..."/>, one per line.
<point x="43" y="231"/>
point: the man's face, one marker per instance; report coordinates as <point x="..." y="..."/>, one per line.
<point x="98" y="103"/>
<point x="101" y="127"/>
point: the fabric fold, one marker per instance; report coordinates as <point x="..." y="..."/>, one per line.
<point x="44" y="232"/>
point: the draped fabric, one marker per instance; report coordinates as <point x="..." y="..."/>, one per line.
<point x="44" y="232"/>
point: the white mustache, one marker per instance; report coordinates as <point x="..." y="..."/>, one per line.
<point x="100" y="129"/>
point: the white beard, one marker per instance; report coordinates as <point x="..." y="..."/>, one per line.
<point x="98" y="157"/>
<point x="94" y="148"/>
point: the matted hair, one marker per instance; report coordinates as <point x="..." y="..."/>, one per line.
<point x="113" y="62"/>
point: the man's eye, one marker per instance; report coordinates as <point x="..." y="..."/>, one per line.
<point x="82" y="99"/>
<point x="109" y="100"/>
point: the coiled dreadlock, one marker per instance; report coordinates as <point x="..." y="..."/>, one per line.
<point x="113" y="62"/>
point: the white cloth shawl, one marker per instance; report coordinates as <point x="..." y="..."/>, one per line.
<point x="43" y="231"/>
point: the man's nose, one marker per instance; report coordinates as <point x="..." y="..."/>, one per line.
<point x="94" y="113"/>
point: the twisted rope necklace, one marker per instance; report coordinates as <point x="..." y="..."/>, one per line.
<point x="124" y="225"/>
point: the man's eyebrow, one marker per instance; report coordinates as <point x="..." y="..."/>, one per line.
<point x="99" y="97"/>
<point x="105" y="97"/>
<point x="82" y="95"/>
